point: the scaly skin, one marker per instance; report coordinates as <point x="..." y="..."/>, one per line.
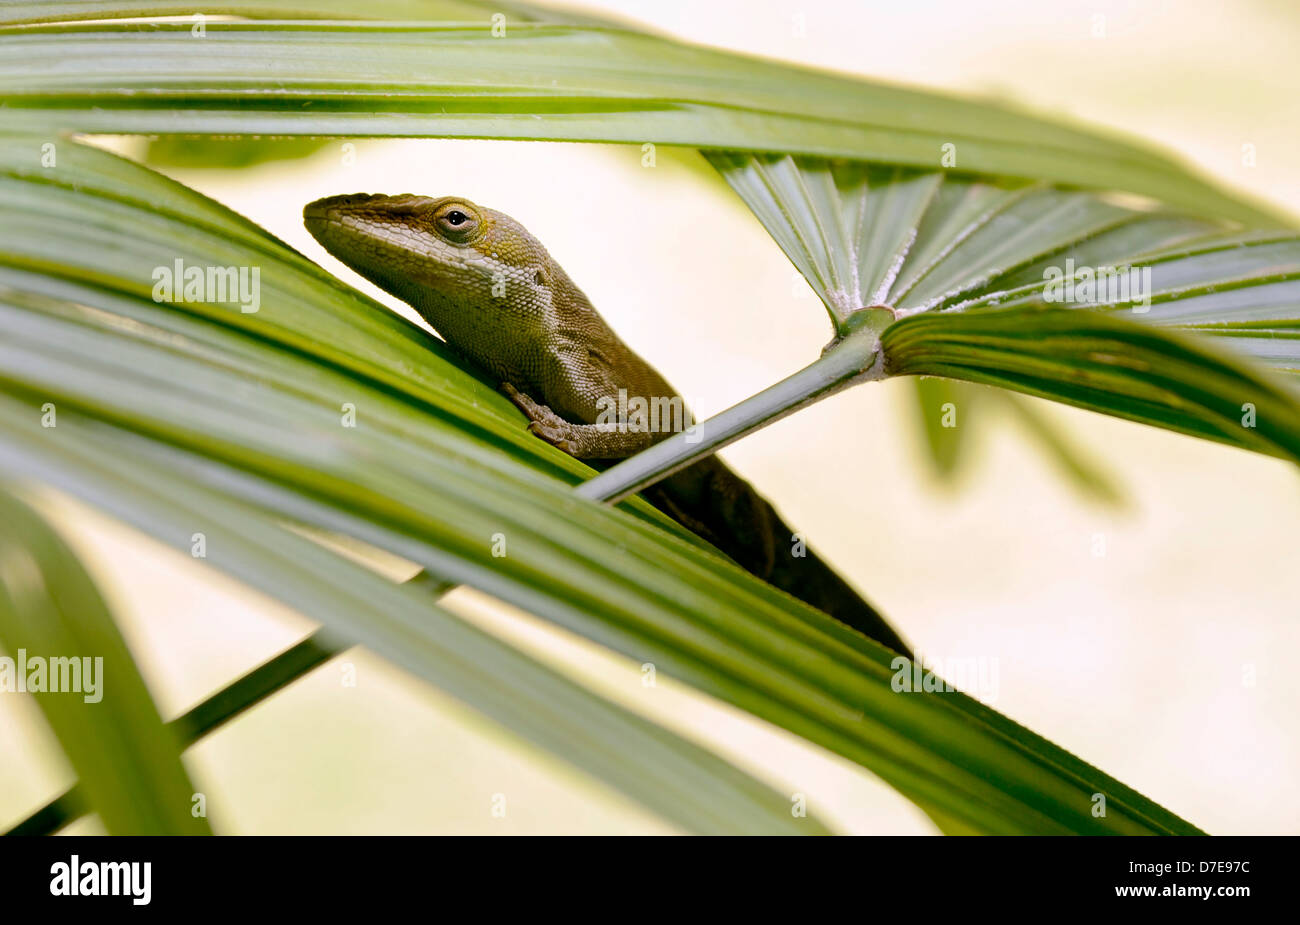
<point x="495" y="295"/>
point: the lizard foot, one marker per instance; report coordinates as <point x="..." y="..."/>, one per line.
<point x="543" y="422"/>
<point x="555" y="436"/>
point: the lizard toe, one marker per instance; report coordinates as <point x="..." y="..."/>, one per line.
<point x="555" y="436"/>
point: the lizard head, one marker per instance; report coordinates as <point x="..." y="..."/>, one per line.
<point x="475" y="274"/>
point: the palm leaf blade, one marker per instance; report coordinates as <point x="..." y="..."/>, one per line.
<point x="113" y="736"/>
<point x="247" y="406"/>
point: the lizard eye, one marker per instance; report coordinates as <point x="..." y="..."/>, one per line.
<point x="456" y="221"/>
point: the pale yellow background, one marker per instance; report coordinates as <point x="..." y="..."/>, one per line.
<point x="1140" y="660"/>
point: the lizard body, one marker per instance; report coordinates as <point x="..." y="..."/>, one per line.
<point x="495" y="295"/>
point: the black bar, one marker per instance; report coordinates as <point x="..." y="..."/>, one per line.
<point x="939" y="874"/>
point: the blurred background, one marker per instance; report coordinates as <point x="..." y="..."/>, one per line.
<point x="1154" y="639"/>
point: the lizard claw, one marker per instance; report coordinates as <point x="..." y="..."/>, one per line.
<point x="531" y="409"/>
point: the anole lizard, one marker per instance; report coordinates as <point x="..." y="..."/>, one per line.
<point x="496" y="296"/>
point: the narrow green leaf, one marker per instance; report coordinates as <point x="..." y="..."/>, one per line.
<point x="949" y="410"/>
<point x="1097" y="361"/>
<point x="944" y="441"/>
<point x="537" y="81"/>
<point x="1074" y="462"/>
<point x="53" y="620"/>
<point x="172" y="151"/>
<point x="22" y="11"/>
<point x="1240" y="288"/>
<point x="680" y="781"/>
<point x="218" y="709"/>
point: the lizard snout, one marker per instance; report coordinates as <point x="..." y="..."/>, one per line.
<point x="331" y="206"/>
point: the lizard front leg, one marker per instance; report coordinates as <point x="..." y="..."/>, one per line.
<point x="582" y="441"/>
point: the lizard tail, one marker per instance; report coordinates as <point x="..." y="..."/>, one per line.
<point x="719" y="506"/>
<point x="814" y="582"/>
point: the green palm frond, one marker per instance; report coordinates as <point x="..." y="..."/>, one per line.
<point x="929" y="226"/>
<point x="967" y="265"/>
<point x="557" y="81"/>
<point x="221" y="414"/>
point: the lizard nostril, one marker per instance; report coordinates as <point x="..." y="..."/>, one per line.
<point x="539" y="278"/>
